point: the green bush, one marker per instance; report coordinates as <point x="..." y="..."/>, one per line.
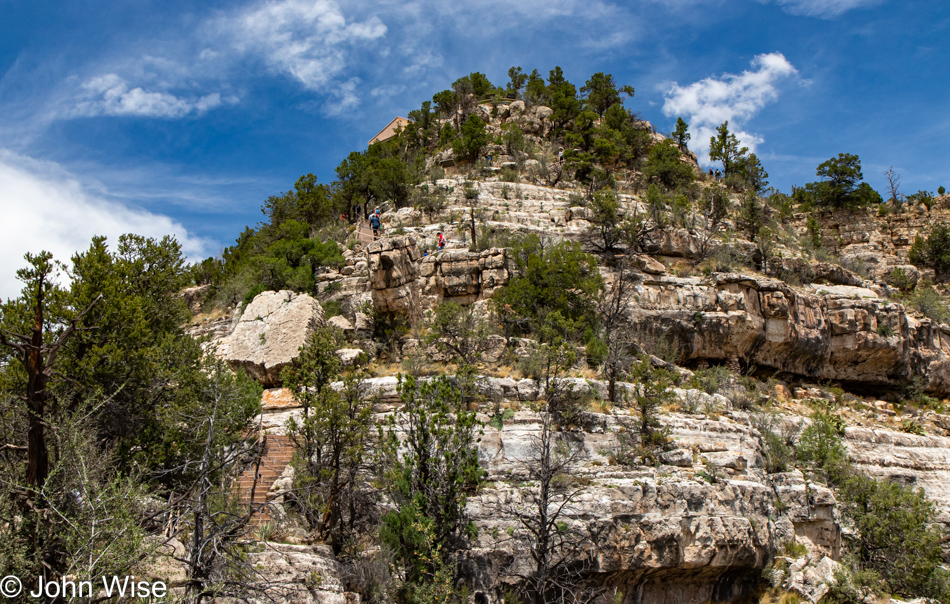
<point x="927" y="301"/>
<point x="665" y="166"/>
<point x="821" y="445"/>
<point x="775" y="442"/>
<point x="900" y="279"/>
<point x="841" y="186"/>
<point x="933" y="252"/>
<point x="472" y="140"/>
<point x="509" y="175"/>
<point x="895" y="537"/>
<point x="711" y="380"/>
<point x="553" y="293"/>
<point x="428" y="475"/>
<point x="926" y="198"/>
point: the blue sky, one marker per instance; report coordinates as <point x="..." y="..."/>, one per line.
<point x="168" y="117"/>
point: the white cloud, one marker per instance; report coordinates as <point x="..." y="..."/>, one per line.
<point x="110" y="95"/>
<point x="46" y="208"/>
<point x="305" y="39"/>
<point x="735" y="98"/>
<point x="342" y="99"/>
<point x="823" y="8"/>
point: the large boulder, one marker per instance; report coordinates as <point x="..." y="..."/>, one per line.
<point x="270" y="333"/>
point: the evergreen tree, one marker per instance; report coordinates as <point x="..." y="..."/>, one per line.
<point x="841" y="186"/>
<point x="516" y="81"/>
<point x="681" y="134"/>
<point x="724" y="147"/>
<point x="428" y="475"/>
<point x="472" y="140"/>
<point x="933" y="252"/>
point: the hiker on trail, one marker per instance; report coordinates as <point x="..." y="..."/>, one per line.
<point x="718" y="174"/>
<point x="488" y="157"/>
<point x="710" y="174"/>
<point x="560" y="155"/>
<point x="374" y="222"/>
<point x="441" y="241"/>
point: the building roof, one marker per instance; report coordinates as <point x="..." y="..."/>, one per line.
<point x="389" y="131"/>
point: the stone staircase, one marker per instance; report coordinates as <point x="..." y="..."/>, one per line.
<point x="364" y="233"/>
<point x="278" y="451"/>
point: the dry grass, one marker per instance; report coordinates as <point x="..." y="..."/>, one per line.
<point x="589" y="373"/>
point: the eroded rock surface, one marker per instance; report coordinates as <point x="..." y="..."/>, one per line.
<point x="270" y="332"/>
<point x="832" y="332"/>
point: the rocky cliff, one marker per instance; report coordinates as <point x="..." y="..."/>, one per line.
<point x="701" y="520"/>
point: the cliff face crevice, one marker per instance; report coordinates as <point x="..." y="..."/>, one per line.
<point x="829" y="332"/>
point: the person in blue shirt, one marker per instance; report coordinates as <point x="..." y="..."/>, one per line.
<point x="375" y="224"/>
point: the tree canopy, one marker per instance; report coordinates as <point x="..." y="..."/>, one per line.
<point x="841" y="185"/>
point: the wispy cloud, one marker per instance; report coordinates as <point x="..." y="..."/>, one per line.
<point x="110" y="95"/>
<point x="46" y="208"/>
<point x="735" y="98"/>
<point x="824" y="9"/>
<point x="304" y="39"/>
<point x="342" y="98"/>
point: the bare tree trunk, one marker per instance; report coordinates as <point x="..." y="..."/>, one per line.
<point x="37" y="455"/>
<point x="471" y="218"/>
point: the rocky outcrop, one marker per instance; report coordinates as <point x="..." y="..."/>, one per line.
<point x="699" y="530"/>
<point x="462" y="276"/>
<point x="393" y="268"/>
<point x="405" y="283"/>
<point x="700" y="525"/>
<point x="304" y="574"/>
<point x="812" y="578"/>
<point x="911" y="459"/>
<point x="840" y="333"/>
<point x="269" y="334"/>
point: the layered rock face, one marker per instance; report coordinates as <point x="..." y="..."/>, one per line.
<point x="699" y="526"/>
<point x="405" y="283"/>
<point x="270" y="333"/>
<point x="823" y="332"/>
<point x="393" y="268"/>
<point x="697" y="531"/>
<point x="881" y="243"/>
<point x="462" y="276"/>
<point x="911" y="459"/>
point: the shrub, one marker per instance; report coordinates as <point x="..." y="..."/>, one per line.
<point x="933" y="252"/>
<point x="841" y="187"/>
<point x="821" y="445"/>
<point x="509" y="175"/>
<point x="775" y="442"/>
<point x="472" y="139"/>
<point x="711" y="380"/>
<point x="900" y="279"/>
<point x="926" y="198"/>
<point x="428" y="475"/>
<point x="927" y="302"/>
<point x="553" y="296"/>
<point x="664" y="166"/>
<point x="654" y="391"/>
<point x="894" y="536"/>
<point x="814" y="232"/>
